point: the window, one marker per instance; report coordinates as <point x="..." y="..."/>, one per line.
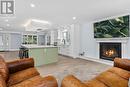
<point x="29" y="39"/>
<point x="34" y="39"/>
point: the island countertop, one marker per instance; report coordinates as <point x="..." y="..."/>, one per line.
<point x="39" y="46"/>
<point x="42" y="54"/>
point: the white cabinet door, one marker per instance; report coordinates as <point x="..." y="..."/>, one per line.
<point x="41" y="39"/>
<point x="4" y="42"/>
<point x="1" y="42"/>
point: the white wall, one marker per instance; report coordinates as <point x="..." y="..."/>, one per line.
<point x="88" y="43"/>
<point x="128" y="47"/>
<point x="10" y="41"/>
<point x="76" y="40"/>
<point x="15" y="41"/>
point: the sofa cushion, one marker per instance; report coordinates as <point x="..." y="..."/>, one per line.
<point x="115" y="72"/>
<point x="112" y="80"/>
<point x="72" y="81"/>
<point x="120" y="72"/>
<point x="21" y="76"/>
<point x="2" y="82"/>
<point x="94" y="83"/>
<point x="36" y="81"/>
<point x="3" y="68"/>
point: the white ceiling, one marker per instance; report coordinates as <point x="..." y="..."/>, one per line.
<point x="62" y="11"/>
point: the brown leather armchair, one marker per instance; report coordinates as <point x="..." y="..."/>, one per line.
<point x="116" y="76"/>
<point x="22" y="73"/>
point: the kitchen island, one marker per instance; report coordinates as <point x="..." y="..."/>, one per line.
<point x="42" y="54"/>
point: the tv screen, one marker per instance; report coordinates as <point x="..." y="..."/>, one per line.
<point x="112" y="28"/>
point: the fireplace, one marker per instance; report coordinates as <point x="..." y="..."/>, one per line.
<point x="109" y="51"/>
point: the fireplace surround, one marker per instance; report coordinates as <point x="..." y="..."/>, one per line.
<point x="109" y="50"/>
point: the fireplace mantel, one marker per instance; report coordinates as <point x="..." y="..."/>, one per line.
<point x="121" y="40"/>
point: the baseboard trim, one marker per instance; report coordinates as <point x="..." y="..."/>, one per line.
<point x="66" y="55"/>
<point x="107" y="62"/>
<point x="98" y="60"/>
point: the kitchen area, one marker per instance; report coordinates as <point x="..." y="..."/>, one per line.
<point x="43" y="46"/>
<point x="12" y="44"/>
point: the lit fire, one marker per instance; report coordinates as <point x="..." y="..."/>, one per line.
<point x="109" y="52"/>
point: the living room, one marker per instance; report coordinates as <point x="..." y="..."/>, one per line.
<point x="66" y="43"/>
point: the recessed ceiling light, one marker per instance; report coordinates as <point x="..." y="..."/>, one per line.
<point x="6" y="20"/>
<point x="8" y="25"/>
<point x="32" y="5"/>
<point x="74" y="18"/>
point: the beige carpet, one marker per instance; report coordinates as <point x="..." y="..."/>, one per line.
<point x="82" y="69"/>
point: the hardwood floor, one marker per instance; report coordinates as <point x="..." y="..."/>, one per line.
<point x="10" y="55"/>
<point x="82" y="69"/>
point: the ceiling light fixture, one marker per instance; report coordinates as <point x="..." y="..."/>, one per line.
<point x="27" y="23"/>
<point x="32" y="5"/>
<point x="40" y="21"/>
<point x="35" y="20"/>
<point x="74" y="18"/>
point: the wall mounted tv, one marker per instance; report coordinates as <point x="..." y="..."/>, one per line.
<point x="112" y="28"/>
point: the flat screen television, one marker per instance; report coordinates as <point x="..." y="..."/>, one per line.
<point x="112" y="28"/>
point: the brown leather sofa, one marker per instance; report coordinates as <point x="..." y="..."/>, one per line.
<point x="22" y="73"/>
<point x="117" y="76"/>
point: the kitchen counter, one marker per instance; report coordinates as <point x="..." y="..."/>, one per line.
<point x="42" y="54"/>
<point x="9" y="50"/>
<point x="38" y="46"/>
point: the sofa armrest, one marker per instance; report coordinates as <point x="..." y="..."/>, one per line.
<point x="122" y="63"/>
<point x="20" y="64"/>
<point x="2" y="81"/>
<point x="49" y="81"/>
<point x="71" y="81"/>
